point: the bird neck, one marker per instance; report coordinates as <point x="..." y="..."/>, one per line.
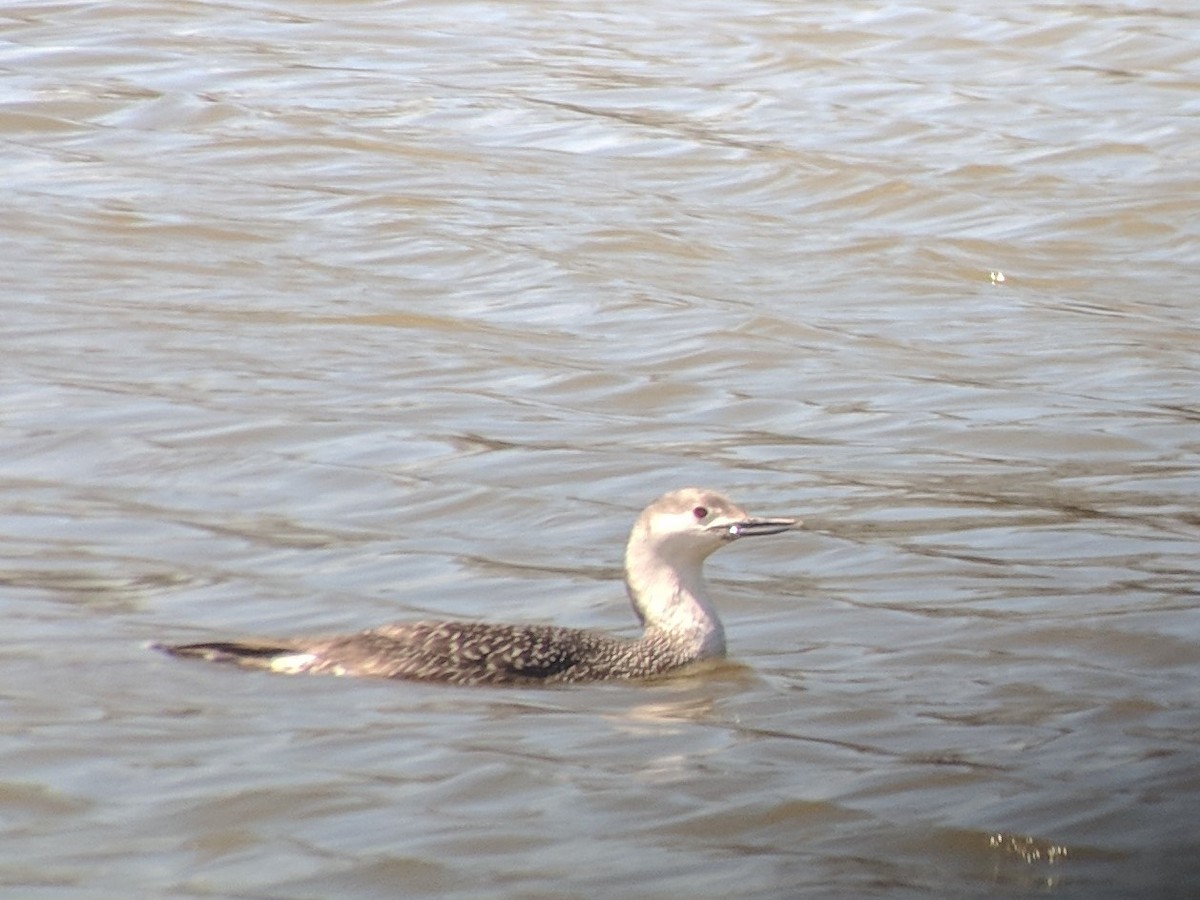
<point x="671" y="599"/>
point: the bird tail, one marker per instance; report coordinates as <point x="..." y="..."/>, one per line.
<point x="242" y="653"/>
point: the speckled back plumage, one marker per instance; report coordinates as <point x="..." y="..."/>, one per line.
<point x="663" y="559"/>
<point x="486" y="653"/>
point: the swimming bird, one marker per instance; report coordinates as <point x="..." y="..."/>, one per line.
<point x="664" y="576"/>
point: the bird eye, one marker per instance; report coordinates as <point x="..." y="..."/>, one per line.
<point x="700" y="513"/>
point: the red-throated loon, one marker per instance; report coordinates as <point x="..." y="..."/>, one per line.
<point x="664" y="561"/>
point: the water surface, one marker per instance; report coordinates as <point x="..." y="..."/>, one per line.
<point x="318" y="315"/>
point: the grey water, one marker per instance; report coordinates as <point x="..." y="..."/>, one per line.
<point x="320" y="315"/>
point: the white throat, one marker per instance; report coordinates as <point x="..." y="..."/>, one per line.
<point x="670" y="596"/>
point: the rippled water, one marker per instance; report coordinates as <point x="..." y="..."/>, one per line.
<point x="318" y="315"/>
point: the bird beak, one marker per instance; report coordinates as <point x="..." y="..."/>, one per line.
<point x="754" y="527"/>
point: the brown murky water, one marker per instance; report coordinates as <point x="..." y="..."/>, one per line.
<point x="317" y="315"/>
